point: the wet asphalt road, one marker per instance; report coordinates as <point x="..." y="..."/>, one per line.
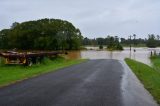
<point x="93" y="83"/>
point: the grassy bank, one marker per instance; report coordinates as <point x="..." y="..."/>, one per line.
<point x="156" y="62"/>
<point x="148" y="76"/>
<point x="11" y="74"/>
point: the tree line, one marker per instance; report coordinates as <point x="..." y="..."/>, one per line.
<point x="112" y="42"/>
<point x="152" y="40"/>
<point x="57" y="34"/>
<point x="43" y="34"/>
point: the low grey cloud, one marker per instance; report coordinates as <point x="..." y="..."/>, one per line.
<point x="95" y="18"/>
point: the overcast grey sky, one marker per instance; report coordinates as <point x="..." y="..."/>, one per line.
<point x="95" y="18"/>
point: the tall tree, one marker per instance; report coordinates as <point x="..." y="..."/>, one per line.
<point x="151" y="41"/>
<point x="44" y="34"/>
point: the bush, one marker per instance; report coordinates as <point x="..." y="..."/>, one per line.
<point x="100" y="46"/>
<point x="119" y="47"/>
<point x="2" y="61"/>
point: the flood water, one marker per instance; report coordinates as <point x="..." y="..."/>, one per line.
<point x="141" y="54"/>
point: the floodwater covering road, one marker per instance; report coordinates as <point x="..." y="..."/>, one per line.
<point x="101" y="82"/>
<point x="142" y="54"/>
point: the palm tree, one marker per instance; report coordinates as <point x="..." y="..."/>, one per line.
<point x="134" y="35"/>
<point x="158" y="37"/>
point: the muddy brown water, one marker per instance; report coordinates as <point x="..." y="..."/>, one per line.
<point x="141" y="54"/>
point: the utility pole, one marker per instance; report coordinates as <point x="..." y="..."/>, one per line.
<point x="130" y="42"/>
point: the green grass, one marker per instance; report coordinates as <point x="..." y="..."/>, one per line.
<point x="156" y="62"/>
<point x="11" y="73"/>
<point x="148" y="76"/>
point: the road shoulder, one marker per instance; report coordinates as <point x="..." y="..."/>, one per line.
<point x="133" y="91"/>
